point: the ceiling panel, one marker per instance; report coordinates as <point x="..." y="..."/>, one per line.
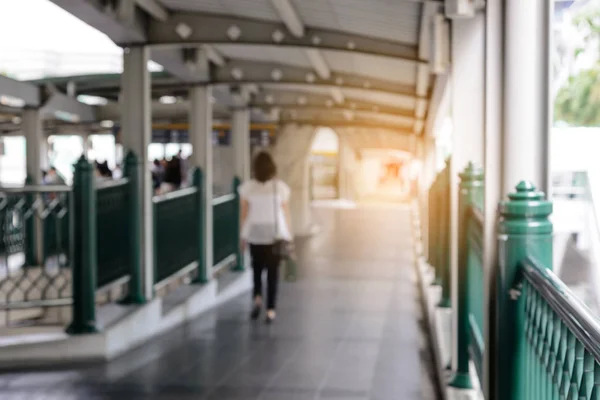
<point x="257" y="9"/>
<point x="388" y="19"/>
<point x="282" y="55"/>
<point x="386" y="69"/>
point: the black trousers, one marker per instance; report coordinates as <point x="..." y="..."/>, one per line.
<point x="263" y="258"/>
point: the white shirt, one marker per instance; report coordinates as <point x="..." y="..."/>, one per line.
<point x="266" y="220"/>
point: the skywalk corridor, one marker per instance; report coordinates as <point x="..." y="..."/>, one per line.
<point x="347" y="329"/>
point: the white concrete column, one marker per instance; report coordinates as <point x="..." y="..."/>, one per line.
<point x="527" y="93"/>
<point x="240" y="136"/>
<point x="202" y="157"/>
<point x="36" y="144"/>
<point x="467" y="105"/>
<point x="85" y="141"/>
<point x="136" y="122"/>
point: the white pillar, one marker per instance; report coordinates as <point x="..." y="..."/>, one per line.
<point x="85" y="141"/>
<point x="135" y="135"/>
<point x="527" y="93"/>
<point x="36" y="145"/>
<point x="202" y="157"/>
<point x="468" y="93"/>
<point x="240" y="135"/>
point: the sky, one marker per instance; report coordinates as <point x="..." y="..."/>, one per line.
<point x="46" y="40"/>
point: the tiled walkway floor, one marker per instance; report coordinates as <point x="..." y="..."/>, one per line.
<point x="348" y="329"/>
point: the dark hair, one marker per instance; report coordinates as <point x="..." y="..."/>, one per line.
<point x="264" y="167"/>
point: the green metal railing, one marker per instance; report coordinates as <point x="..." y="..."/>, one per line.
<point x="40" y="217"/>
<point x="439" y="232"/>
<point x="471" y="282"/>
<point x="112" y="210"/>
<point x="176" y="220"/>
<point x="226" y="219"/>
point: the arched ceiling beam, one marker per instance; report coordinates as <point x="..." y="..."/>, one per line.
<point x="194" y="29"/>
<point x="320" y="109"/>
<point x="247" y="72"/>
<point x="288" y="98"/>
<point x="348" y="124"/>
<point x="244" y="71"/>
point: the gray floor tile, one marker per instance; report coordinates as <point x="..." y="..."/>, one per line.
<point x="348" y="329"/>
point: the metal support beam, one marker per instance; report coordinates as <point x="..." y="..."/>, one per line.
<point x="36" y="145"/>
<point x="67" y="108"/>
<point x="200" y="132"/>
<point x="348" y="124"/>
<point x="242" y="71"/>
<point x="18" y="94"/>
<point x="237" y="72"/>
<point x="154" y="8"/>
<point x="183" y="29"/>
<point x="136" y="136"/>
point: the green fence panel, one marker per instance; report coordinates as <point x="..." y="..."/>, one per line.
<point x="176" y="218"/>
<point x="475" y="289"/>
<point x="11" y="225"/>
<point x="225" y="223"/>
<point x="56" y="225"/>
<point x="112" y="232"/>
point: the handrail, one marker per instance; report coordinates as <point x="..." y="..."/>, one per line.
<point x="571" y="310"/>
<point x="35" y="189"/>
<point x="174" y="195"/>
<point x="223" y="199"/>
<point x="112" y="183"/>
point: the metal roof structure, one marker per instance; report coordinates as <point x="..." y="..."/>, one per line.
<point x="342" y="63"/>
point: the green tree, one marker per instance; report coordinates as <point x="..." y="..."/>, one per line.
<point x="578" y="101"/>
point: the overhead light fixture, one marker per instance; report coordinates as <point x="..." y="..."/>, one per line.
<point x="351" y="45"/>
<point x="92" y="100"/>
<point x="237" y="74"/>
<point x="168" y="100"/>
<point x="302" y="100"/>
<point x="66" y="116"/>
<point x="269" y="99"/>
<point x="316" y="40"/>
<point x="278" y="36"/>
<point x="16" y="120"/>
<point x="234" y="32"/>
<point x="276" y="74"/>
<point x="310" y="77"/>
<point x="183" y="30"/>
<point x="12" y="101"/>
<point x="107" y="124"/>
<point x="349" y="115"/>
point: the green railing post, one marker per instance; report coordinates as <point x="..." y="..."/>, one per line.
<point x="30" y="235"/>
<point x="198" y="178"/>
<point x="445" y="265"/>
<point x="135" y="294"/>
<point x="524" y="231"/>
<point x="84" y="250"/>
<point x="239" y="256"/>
<point x="471" y="179"/>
